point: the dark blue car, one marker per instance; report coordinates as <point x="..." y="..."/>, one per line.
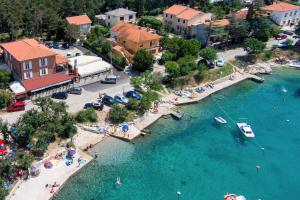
<point x="108" y="100"/>
<point x="134" y="95"/>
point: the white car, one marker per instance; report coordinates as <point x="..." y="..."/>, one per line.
<point x="121" y="99"/>
<point x="283" y="43"/>
<point x="220" y="62"/>
<point x="295" y="64"/>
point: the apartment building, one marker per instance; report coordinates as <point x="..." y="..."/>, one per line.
<point x="116" y="16"/>
<point x="83" y="23"/>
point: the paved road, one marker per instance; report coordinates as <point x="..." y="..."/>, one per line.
<point x="90" y="93"/>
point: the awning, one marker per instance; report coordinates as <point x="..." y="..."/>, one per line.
<point x="17" y="88"/>
<point x="44" y="82"/>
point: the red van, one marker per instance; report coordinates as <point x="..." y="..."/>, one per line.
<point x="17" y="106"/>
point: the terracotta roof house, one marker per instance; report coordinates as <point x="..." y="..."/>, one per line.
<point x="35" y="65"/>
<point x="130" y="38"/>
<point x="283" y="14"/>
<point x="83" y="23"/>
<point x="116" y="16"/>
<point x="182" y="18"/>
<point x="240" y="15"/>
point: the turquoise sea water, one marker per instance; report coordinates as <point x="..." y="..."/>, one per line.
<point x="203" y="160"/>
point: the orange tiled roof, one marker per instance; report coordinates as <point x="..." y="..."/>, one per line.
<point x="222" y="22"/>
<point x="175" y="9"/>
<point x="281" y="7"/>
<point x="27" y="49"/>
<point x="45" y="81"/>
<point x="188" y="14"/>
<point x="79" y="20"/>
<point x="134" y="33"/>
<point x="59" y="59"/>
<point x="241" y="14"/>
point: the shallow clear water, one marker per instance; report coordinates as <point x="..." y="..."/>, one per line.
<point x="203" y="160"/>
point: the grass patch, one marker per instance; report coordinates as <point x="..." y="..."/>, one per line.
<point x="214" y="74"/>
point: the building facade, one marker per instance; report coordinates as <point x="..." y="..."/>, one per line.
<point x="129" y="38"/>
<point x="284" y="14"/>
<point x="83" y="23"/>
<point x="182" y="18"/>
<point x="34" y="65"/>
<point x="114" y="17"/>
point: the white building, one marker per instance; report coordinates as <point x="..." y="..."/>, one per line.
<point x="83" y="23"/>
<point x="284" y="14"/>
<point x="90" y="69"/>
<point x="119" y="15"/>
<point x="182" y="18"/>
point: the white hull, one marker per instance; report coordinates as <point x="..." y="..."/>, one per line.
<point x="246" y="130"/>
<point x="220" y="120"/>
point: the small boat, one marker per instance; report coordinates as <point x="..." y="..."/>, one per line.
<point x="246" y="130"/>
<point x="234" y="197"/>
<point x="118" y="181"/>
<point x="220" y="120"/>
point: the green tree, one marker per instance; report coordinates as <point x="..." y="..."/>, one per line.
<point x="5" y="78"/>
<point x="167" y="56"/>
<point x="23" y="160"/>
<point x="151" y="22"/>
<point x="4" y="130"/>
<point x="253" y="46"/>
<point x="73" y="32"/>
<point x="173" y="69"/>
<point x="147" y="99"/>
<point x="239" y="30"/>
<point x="262" y="28"/>
<point x="142" y="60"/>
<point x="186" y="64"/>
<point x="88" y="115"/>
<point x="6" y="98"/>
<point x="133" y="104"/>
<point x="117" y="114"/>
<point x="208" y="54"/>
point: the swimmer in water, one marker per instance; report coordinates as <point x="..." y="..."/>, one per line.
<point x="118" y="181"/>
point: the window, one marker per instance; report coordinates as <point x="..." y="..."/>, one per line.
<point x="121" y="18"/>
<point x="171" y="16"/>
<point x="177" y="27"/>
<point x="291" y="14"/>
<point x="183" y="21"/>
<point x="130" y="16"/>
<point x="151" y="43"/>
<point x="295" y="12"/>
<point x="108" y="17"/>
<point x="178" y="20"/>
<point x="28" y="75"/>
<point x="166" y="15"/>
<point x="43" y="71"/>
<point x="27" y="65"/>
<point x="43" y="62"/>
<point x="286" y="14"/>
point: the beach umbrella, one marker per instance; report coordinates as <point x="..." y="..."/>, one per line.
<point x="71" y="153"/>
<point x="124" y="128"/>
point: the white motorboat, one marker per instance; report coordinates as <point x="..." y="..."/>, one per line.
<point x="295" y="64"/>
<point x="234" y="197"/>
<point x="246" y="130"/>
<point x="220" y="120"/>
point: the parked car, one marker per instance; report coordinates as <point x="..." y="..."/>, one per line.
<point x="280" y="36"/>
<point x="17" y="106"/>
<point x="296" y="36"/>
<point x="49" y="44"/>
<point x="69" y="55"/>
<point x="111" y="79"/>
<point x="297" y="44"/>
<point x="55" y="45"/>
<point x="3" y="149"/>
<point x="108" y="100"/>
<point x="96" y="106"/>
<point x="283" y="44"/>
<point x="75" y="90"/>
<point x="60" y="95"/>
<point x="66" y="45"/>
<point x="121" y="99"/>
<point x="220" y="62"/>
<point x="133" y="94"/>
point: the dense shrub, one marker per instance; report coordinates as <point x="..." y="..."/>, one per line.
<point x="117" y="114"/>
<point x="88" y="115"/>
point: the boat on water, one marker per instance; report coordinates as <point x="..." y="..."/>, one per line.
<point x="118" y="181"/>
<point x="234" y="197"/>
<point x="220" y="120"/>
<point x="246" y="130"/>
